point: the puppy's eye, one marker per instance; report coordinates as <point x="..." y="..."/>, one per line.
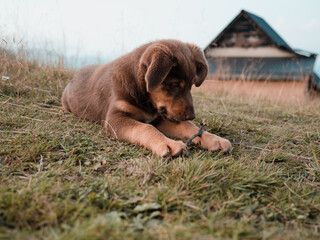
<point x="174" y="85"/>
<point x="174" y="69"/>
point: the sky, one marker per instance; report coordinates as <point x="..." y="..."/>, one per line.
<point x="110" y="28"/>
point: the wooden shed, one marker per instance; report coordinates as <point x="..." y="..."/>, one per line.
<point x="248" y="48"/>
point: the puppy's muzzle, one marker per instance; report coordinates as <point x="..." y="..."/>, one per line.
<point x="189" y="114"/>
<point x="180" y="116"/>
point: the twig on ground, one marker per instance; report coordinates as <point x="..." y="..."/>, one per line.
<point x="33" y="119"/>
<point x="15" y="131"/>
<point x="198" y="134"/>
<point x="38" y="108"/>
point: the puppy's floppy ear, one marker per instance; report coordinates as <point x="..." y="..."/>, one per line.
<point x="201" y="64"/>
<point x="156" y="62"/>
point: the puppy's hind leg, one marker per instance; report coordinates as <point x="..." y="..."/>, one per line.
<point x="64" y="99"/>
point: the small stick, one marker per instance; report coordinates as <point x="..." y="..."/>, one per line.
<point x="198" y="134"/>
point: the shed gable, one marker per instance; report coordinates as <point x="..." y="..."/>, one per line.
<point x="244" y="33"/>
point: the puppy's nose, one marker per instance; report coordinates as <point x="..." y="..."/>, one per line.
<point x="190" y="116"/>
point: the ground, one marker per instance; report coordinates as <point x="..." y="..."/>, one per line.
<point x="62" y="178"/>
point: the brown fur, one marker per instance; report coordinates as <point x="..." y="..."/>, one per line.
<point x="144" y="97"/>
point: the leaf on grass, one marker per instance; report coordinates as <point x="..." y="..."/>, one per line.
<point x="115" y="217"/>
<point x="147" y="207"/>
<point x="153" y="223"/>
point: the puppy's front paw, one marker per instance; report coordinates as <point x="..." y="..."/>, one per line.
<point x="171" y="149"/>
<point x="214" y="143"/>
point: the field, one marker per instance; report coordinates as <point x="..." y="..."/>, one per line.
<point x="61" y="178"/>
<point x="285" y="92"/>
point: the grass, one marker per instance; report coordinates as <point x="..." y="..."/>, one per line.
<point x="61" y="178"/>
<point x="285" y="92"/>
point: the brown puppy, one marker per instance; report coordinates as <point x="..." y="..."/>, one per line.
<point x="144" y="97"/>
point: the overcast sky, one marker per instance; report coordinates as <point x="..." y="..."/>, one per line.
<point x="107" y="29"/>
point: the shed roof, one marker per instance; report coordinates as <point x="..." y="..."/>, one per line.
<point x="274" y="36"/>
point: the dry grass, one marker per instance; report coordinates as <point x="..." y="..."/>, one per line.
<point x="61" y="178"/>
<point x="275" y="91"/>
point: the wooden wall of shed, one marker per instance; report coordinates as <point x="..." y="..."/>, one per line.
<point x="293" y="69"/>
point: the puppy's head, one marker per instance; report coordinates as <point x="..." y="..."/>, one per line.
<point x="170" y="68"/>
